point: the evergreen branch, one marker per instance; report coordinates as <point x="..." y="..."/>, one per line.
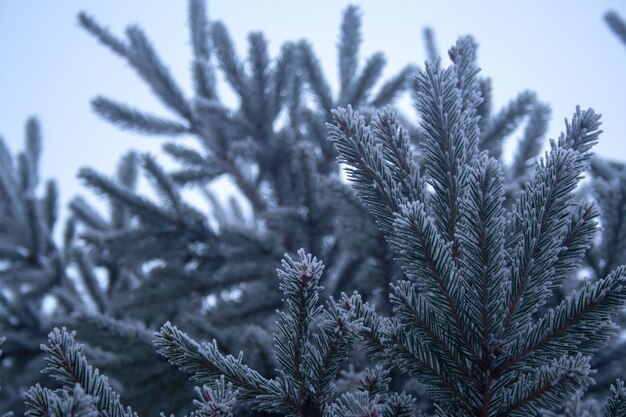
<point x="415" y="358"/>
<point x="149" y="66"/>
<point x="229" y="62"/>
<point x="9" y="189"/>
<point x="283" y="76"/>
<point x="366" y="167"/>
<point x="329" y="348"/>
<point x="203" y="73"/>
<point x="484" y="108"/>
<point x="399" y="405"/>
<point x="50" y="205"/>
<point x="67" y="364"/>
<point x="126" y="175"/>
<point x="41" y="402"/>
<point x="26" y="173"/>
<point x="426" y="255"/>
<point x="373" y="330"/>
<point x="102" y="34"/>
<point x="207" y="364"/>
<point x="39" y="236"/>
<point x="392" y="87"/>
<point x="315" y="77"/>
<point x="142" y="207"/>
<point x="355" y="404"/>
<point x="443" y="121"/>
<point x="375" y="382"/>
<point x="580" y="323"/>
<point x="617" y="25"/>
<point x="396" y="150"/>
<point x="544" y="206"/>
<point x="200" y="176"/>
<point x="463" y="55"/>
<point x="545" y="387"/>
<point x="164" y="184"/>
<point x="482" y="260"/>
<point x="216" y="402"/>
<point x="86" y="214"/>
<point x="611" y="196"/>
<point x="579" y="234"/>
<point x="184" y="154"/>
<point x="260" y="82"/>
<point x="606" y="169"/>
<point x="616" y="403"/>
<point x="115" y="329"/>
<point x="531" y="142"/>
<point x="229" y="165"/>
<point x="33" y="148"/>
<point x="133" y="119"/>
<point x="127" y="170"/>
<point x="582" y="133"/>
<point x="350" y="40"/>
<point x="298" y="281"/>
<point x="505" y="122"/>
<point x="429" y="43"/>
<point x="417" y="314"/>
<point x="362" y="85"/>
<point x="90" y="279"/>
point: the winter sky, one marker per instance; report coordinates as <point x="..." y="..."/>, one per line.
<point x="51" y="68"/>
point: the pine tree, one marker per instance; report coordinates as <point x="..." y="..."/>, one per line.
<point x="33" y="265"/>
<point x="478" y="274"/>
<point x="144" y="252"/>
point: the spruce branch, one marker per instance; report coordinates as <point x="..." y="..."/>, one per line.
<point x="365" y="81"/>
<point x="580" y="323"/>
<point x="133" y="119"/>
<point x="530" y="144"/>
<point x="350" y="40"/>
<point x="366" y="165"/>
<point x="315" y="77"/>
<point x="216" y="402"/>
<point x="202" y="69"/>
<point x="610" y="252"/>
<point x="42" y="402"/>
<point x="394" y="86"/>
<point x="164" y="185"/>
<point x="260" y="83"/>
<point x="617" y="25"/>
<point x="415" y="310"/>
<point x="440" y="104"/>
<point x="482" y="259"/>
<point x="283" y="76"/>
<point x="139" y="205"/>
<point x="67" y="364"/>
<point x="616" y="403"/>
<point x="505" y="122"/>
<point x="150" y="67"/>
<point x="545" y="387"/>
<point x="578" y="238"/>
<point x="102" y="34"/>
<point x="428" y="36"/>
<point x="397" y="151"/>
<point x="206" y="363"/>
<point x="229" y="62"/>
<point x="544" y="207"/>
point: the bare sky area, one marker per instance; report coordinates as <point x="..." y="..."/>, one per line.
<point x="51" y="68"/>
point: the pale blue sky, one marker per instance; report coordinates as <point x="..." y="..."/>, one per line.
<point x="51" y="68"/>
